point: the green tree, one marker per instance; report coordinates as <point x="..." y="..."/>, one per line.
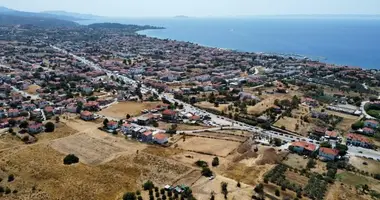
<point x="70" y="159"/>
<point x="277" y="192"/>
<point x="223" y="186"/>
<point x="215" y="161"/>
<point x="325" y="144"/>
<point x="206" y="172"/>
<point x="49" y="127"/>
<point x="105" y="122"/>
<point x="129" y="196"/>
<point x="148" y="185"/>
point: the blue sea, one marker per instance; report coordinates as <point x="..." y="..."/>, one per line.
<point x="351" y="42"/>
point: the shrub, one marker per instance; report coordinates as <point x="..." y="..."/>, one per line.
<point x="277" y="192"/>
<point x="1" y="189"/>
<point x="201" y="163"/>
<point x="70" y="159"/>
<point x="49" y="127"/>
<point x="129" y="196"/>
<point x="206" y="172"/>
<point x="11" y="178"/>
<point x="139" y="198"/>
<point x="238" y="184"/>
<point x="138" y="192"/>
<point x="377" y="176"/>
<point x="15" y="191"/>
<point x="148" y="185"/>
<point x="7" y="190"/>
<point x="215" y="162"/>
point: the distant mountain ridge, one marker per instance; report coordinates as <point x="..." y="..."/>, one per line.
<point x="72" y="14"/>
<point x="8" y="11"/>
<point x="11" y="20"/>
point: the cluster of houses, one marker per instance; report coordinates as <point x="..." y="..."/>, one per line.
<point x="306" y="148"/>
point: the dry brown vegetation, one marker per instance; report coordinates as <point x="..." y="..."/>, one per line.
<point x="121" y="109"/>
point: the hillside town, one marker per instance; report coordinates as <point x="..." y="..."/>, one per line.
<point x="281" y="127"/>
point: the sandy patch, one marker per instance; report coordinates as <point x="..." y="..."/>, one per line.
<point x="208" y="146"/>
<point x="121" y="109"/>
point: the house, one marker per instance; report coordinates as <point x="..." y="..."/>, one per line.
<point x="303" y="147"/>
<point x="49" y="110"/>
<point x="2" y="112"/>
<point x="13" y="113"/>
<point x="160" y="138"/>
<point x="144" y="120"/>
<point x="371" y="123"/>
<point x="310" y="102"/>
<point x="112" y="125"/>
<point x="87" y="115"/>
<point x="368" y="131"/>
<point x="169" y="115"/>
<point x="319" y="131"/>
<point x="331" y="135"/>
<point x="29" y="107"/>
<point x="91" y="106"/>
<point x="127" y="128"/>
<point x="358" y="140"/>
<point x="71" y="108"/>
<point x="328" y="153"/>
<point x="276" y="109"/>
<point x="35" y="128"/>
<point x="147" y="136"/>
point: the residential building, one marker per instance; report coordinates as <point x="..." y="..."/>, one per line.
<point x="112" y="125"/>
<point x="13" y="113"/>
<point x="358" y="140"/>
<point x="331" y="135"/>
<point x="169" y="115"/>
<point x="2" y="112"/>
<point x="35" y="128"/>
<point x="87" y="115"/>
<point x="303" y="147"/>
<point x="368" y="131"/>
<point x="147" y="136"/>
<point x="160" y="138"/>
<point x="371" y="123"/>
<point x="127" y="128"/>
<point x="328" y="153"/>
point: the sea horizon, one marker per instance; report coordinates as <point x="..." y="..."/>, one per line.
<point x="346" y="42"/>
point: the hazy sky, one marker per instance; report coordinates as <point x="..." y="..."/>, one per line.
<point x="141" y="8"/>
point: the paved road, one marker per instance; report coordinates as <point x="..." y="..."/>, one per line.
<point x="221" y="121"/>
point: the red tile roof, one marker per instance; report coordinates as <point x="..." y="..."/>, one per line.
<point x="160" y="136"/>
<point x="331" y="133"/>
<point x="305" y="145"/>
<point x="357" y="137"/>
<point x="168" y="112"/>
<point x="111" y="123"/>
<point x="147" y="133"/>
<point x="329" y="151"/>
<point x="86" y="113"/>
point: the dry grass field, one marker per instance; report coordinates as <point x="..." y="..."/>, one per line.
<point x="206" y="104"/>
<point x="295" y="161"/>
<point x="121" y="109"/>
<point x="344" y="192"/>
<point x="221" y="135"/>
<point x="181" y="127"/>
<point x="372" y="167"/>
<point x="208" y="146"/>
<point x="348" y="120"/>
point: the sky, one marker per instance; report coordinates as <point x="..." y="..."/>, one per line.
<point x="198" y="8"/>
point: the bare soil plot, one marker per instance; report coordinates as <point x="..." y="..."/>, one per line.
<point x="250" y="175"/>
<point x="181" y="127"/>
<point x="295" y="161"/>
<point x="162" y="151"/>
<point x="344" y="192"/>
<point x="208" y="146"/>
<point x="81" y="125"/>
<point x="33" y="89"/>
<point x="206" y="104"/>
<point x="372" y="166"/>
<point x="355" y="179"/>
<point x="88" y="149"/>
<point x="267" y="102"/>
<point x="121" y="109"/>
<point x="189" y="179"/>
<point x="191" y="157"/>
<point x="270" y="190"/>
<point x="296" y="178"/>
<point x="203" y="188"/>
<point x="61" y="130"/>
<point x="348" y="120"/>
<point x="221" y="136"/>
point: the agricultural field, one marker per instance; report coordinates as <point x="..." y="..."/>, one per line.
<point x="121" y="109"/>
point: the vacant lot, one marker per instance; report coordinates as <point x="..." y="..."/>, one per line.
<point x="348" y="120"/>
<point x="182" y="127"/>
<point x="203" y="188"/>
<point x="208" y="146"/>
<point x="372" y="166"/>
<point x="121" y="109"/>
<point x="246" y="174"/>
<point x="205" y="104"/>
<point x="356" y="179"/>
<point x="222" y="136"/>
<point x="33" y="89"/>
<point x="296" y="161"/>
<point x="344" y="192"/>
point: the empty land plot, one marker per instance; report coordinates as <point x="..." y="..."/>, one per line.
<point x="296" y="161"/>
<point x="208" y="146"/>
<point x="372" y="166"/>
<point x="90" y="150"/>
<point x="222" y="136"/>
<point x="191" y="157"/>
<point x="347" y="121"/>
<point x="121" y="109"/>
<point x="205" y="104"/>
<point x="247" y="174"/>
<point x="204" y="187"/>
<point x="337" y="191"/>
<point x="189" y="179"/>
<point x="181" y="127"/>
<point x="267" y="102"/>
